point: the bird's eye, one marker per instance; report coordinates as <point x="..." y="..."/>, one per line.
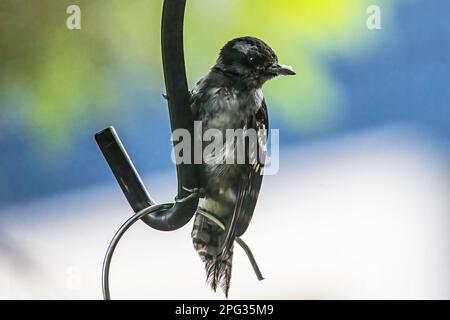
<point x="252" y="58"/>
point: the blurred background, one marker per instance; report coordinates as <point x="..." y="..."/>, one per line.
<point x="359" y="209"/>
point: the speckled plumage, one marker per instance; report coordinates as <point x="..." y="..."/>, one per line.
<point x="230" y="97"/>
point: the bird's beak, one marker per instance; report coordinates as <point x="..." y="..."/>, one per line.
<point x="280" y="70"/>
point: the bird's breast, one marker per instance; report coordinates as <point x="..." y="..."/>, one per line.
<point x="230" y="108"/>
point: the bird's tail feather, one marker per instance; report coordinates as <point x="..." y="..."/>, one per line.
<point x="218" y="272"/>
<point x="206" y="238"/>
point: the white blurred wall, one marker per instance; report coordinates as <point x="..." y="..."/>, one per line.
<point x="363" y="216"/>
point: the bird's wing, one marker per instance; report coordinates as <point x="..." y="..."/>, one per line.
<point x="249" y="186"/>
<point x="252" y="182"/>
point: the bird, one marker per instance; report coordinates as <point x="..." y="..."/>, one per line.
<point x="230" y="97"/>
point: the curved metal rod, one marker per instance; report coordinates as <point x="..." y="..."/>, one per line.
<point x="115" y="240"/>
<point x="241" y="242"/>
<point x="175" y="216"/>
<point x="155" y="210"/>
<point x="178" y="99"/>
<point x="177" y="92"/>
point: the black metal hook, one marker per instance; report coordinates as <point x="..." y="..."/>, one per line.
<point x="170" y="216"/>
<point x="180" y="118"/>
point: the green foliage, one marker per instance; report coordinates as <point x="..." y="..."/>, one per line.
<point x="66" y="77"/>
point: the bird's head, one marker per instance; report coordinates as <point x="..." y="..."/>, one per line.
<point x="251" y="61"/>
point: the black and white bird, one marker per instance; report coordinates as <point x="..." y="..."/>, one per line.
<point x="230" y="97"/>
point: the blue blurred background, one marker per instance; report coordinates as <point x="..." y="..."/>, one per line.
<point x="380" y="90"/>
<point x="55" y="96"/>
